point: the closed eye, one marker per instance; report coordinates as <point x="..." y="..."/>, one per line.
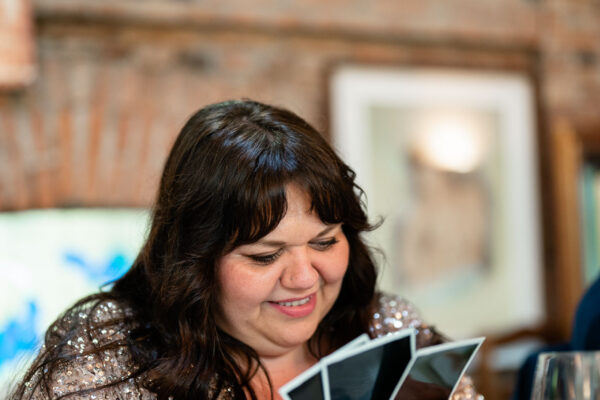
<point x="323" y="245"/>
<point x="265" y="259"/>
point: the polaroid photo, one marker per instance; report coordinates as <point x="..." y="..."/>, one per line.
<point x="309" y="384"/>
<point x="369" y="371"/>
<point x="436" y="371"/>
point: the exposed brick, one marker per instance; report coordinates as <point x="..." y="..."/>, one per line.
<point x="118" y="79"/>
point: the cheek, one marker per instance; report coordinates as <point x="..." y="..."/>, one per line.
<point x="241" y="287"/>
<point x="336" y="264"/>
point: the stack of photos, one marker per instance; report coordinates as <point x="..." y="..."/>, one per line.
<point x="388" y="367"/>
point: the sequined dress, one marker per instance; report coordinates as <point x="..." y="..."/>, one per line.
<point x="93" y="371"/>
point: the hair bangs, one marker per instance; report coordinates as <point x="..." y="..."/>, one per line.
<point x="257" y="211"/>
<point x="260" y="199"/>
<point x="327" y="198"/>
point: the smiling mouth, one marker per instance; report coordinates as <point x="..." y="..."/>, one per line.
<point x="294" y="303"/>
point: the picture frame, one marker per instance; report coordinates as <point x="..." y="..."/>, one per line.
<point x="463" y="244"/>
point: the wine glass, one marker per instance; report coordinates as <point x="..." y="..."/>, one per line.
<point x="570" y="375"/>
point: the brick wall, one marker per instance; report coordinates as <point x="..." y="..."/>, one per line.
<point x="118" y="79"/>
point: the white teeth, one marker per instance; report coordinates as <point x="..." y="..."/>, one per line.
<point x="294" y="303"/>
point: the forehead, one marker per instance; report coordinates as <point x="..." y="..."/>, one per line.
<point x="298" y="200"/>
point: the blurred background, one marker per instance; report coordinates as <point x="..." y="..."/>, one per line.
<point x="501" y="243"/>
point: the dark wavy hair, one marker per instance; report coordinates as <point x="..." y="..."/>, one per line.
<point x="223" y="185"/>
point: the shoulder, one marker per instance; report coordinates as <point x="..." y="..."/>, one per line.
<point x="86" y="356"/>
<point x="586" y="326"/>
<point x="392" y="313"/>
<point x="89" y="325"/>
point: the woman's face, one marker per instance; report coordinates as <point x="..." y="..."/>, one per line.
<point x="274" y="292"/>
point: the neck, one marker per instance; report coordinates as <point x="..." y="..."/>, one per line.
<point x="281" y="369"/>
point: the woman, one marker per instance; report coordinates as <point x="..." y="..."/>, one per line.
<point x="253" y="269"/>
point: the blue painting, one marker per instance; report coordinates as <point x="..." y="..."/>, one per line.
<point x="19" y="333"/>
<point x="51" y="258"/>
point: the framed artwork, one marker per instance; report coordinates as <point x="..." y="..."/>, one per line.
<point x="447" y="160"/>
<point x="48" y="260"/>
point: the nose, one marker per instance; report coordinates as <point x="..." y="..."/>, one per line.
<point x="299" y="273"/>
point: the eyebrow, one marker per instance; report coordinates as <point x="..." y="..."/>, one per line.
<point x="276" y="243"/>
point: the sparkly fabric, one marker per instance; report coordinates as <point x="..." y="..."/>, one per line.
<point x="88" y="373"/>
<point x="87" y="332"/>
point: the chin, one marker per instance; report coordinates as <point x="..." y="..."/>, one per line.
<point x="300" y="336"/>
